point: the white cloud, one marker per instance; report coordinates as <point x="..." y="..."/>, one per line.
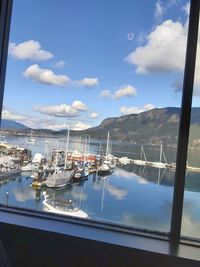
<point x="45" y="76"/>
<point x="29" y="50"/>
<point x="186" y="8"/>
<point x="23" y="195"/>
<point x="54" y="127"/>
<point x="94" y="115"/>
<point x="105" y="93"/>
<point x="117" y="192"/>
<point x="130" y="176"/>
<point x="47" y="123"/>
<point x="79" y="126"/>
<point x="149" y="106"/>
<point x="159" y="10"/>
<point x="60" y="64"/>
<point x="89" y="82"/>
<point x="9" y="115"/>
<point x="125" y="91"/>
<point x="135" y="110"/>
<point x="197" y="74"/>
<point x="160" y="54"/>
<point x="61" y="110"/>
<point x="165" y="50"/>
<point x="79" y="105"/>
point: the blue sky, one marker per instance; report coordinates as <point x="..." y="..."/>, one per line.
<point x="74" y="62"/>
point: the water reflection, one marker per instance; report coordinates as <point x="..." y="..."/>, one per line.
<point x="191" y="215"/>
<point x="133" y="195"/>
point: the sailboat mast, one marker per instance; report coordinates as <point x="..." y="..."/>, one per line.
<point x="107" y="144"/>
<point x="67" y="147"/>
<point x="161" y="152"/>
<point x="56" y="163"/>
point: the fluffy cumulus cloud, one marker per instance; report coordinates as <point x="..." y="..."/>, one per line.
<point x="45" y="76"/>
<point x="89" y="82"/>
<point x="165" y="49"/>
<point x="135" y="110"/>
<point x="94" y="115"/>
<point x="125" y="91"/>
<point x="61" y="110"/>
<point x="79" y="126"/>
<point x="160" y="54"/>
<point x="79" y="105"/>
<point x="9" y="115"/>
<point x="29" y="50"/>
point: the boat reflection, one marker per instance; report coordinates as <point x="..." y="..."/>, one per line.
<point x="64" y="207"/>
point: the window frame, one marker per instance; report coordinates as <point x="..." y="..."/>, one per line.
<point x="174" y="236"/>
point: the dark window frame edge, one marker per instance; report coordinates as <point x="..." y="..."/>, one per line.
<point x="5" y="17"/>
<point x="184" y="126"/>
<point x="69" y="228"/>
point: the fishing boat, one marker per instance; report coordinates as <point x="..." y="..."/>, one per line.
<point x="82" y="171"/>
<point x="8" y="168"/>
<point x="105" y="169"/>
<point x="29" y="167"/>
<point x="63" y="207"/>
<point x="59" y="178"/>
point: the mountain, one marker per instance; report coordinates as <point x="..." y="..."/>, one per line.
<point x="149" y="127"/>
<point x="10" y="124"/>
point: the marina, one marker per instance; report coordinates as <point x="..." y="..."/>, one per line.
<point x="98" y="193"/>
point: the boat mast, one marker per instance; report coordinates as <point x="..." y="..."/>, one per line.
<point x="56" y="163"/>
<point x="161" y="148"/>
<point x="107" y="144"/>
<point x="67" y="147"/>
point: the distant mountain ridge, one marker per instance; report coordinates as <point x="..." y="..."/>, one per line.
<point x="149" y="127"/>
<point x="10" y="124"/>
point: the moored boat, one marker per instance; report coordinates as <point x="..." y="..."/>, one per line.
<point x="59" y="178"/>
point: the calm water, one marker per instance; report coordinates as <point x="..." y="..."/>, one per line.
<point x="132" y="195"/>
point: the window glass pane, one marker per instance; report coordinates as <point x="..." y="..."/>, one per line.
<point x="94" y="86"/>
<point x="191" y="211"/>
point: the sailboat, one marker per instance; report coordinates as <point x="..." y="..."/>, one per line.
<point x="60" y="176"/>
<point x="31" y="140"/>
<point x="83" y="170"/>
<point x="160" y="164"/>
<point x="143" y="159"/>
<point x="107" y="164"/>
